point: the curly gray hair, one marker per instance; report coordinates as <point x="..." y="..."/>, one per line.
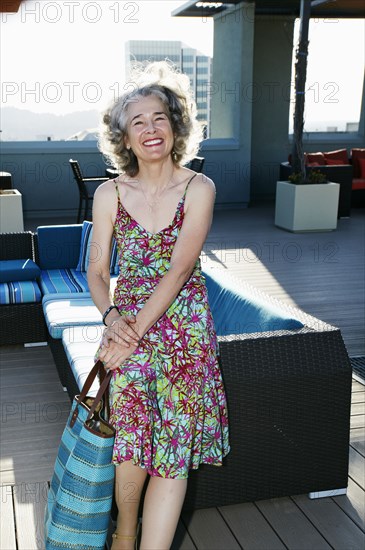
<point x="162" y="80"/>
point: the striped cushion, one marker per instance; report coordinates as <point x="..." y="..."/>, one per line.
<point x="20" y="292"/>
<point x="85" y="247"/>
<point x="66" y="281"/>
<point x="63" y="280"/>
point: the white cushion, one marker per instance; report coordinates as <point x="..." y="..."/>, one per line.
<point x="81" y="344"/>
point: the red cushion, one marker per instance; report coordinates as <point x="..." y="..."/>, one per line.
<point x="357" y="154"/>
<point x="362" y="167"/>
<point x="358" y="184"/>
<point x="314" y="164"/>
<point x="335" y="162"/>
<point x="318" y="158"/>
<point x="340" y="155"/>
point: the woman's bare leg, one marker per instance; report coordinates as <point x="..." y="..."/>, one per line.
<point x="129" y="481"/>
<point x="161" y="511"/>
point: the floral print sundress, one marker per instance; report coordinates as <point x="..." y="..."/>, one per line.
<point x="167" y="400"/>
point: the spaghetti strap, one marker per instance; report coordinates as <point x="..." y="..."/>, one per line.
<point x="116" y="188"/>
<point x="187" y="185"/>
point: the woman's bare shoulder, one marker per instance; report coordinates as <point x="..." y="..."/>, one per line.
<point x="105" y="190"/>
<point x="201" y="184"/>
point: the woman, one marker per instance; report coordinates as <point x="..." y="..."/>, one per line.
<point x="167" y="397"/>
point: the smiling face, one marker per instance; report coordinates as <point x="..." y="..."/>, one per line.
<point x="149" y="132"/>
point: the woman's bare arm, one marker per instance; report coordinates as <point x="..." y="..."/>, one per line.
<point x="98" y="275"/>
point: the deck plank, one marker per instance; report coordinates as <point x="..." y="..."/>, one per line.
<point x="358" y="397"/>
<point x="7" y="526"/>
<point x="357" y="439"/>
<point x="336" y="527"/>
<point x="357" y="467"/>
<point x="357" y="387"/>
<point x="182" y="539"/>
<point x="358" y="407"/>
<point x="293" y="527"/>
<point x="250" y="527"/>
<point x="208" y="530"/>
<point x="29" y="504"/>
<point x="22" y="474"/>
<point x="353" y="503"/>
<point x="357" y="421"/>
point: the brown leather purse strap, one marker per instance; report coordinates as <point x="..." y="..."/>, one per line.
<point x="90" y="379"/>
<point x="102" y="390"/>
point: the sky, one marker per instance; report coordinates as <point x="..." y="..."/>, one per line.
<point x="56" y="42"/>
<point x="62" y="56"/>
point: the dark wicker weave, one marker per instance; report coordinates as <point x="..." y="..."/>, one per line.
<point x="20" y="323"/>
<point x="60" y="358"/>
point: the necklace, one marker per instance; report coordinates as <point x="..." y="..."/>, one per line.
<point x="152" y="205"/>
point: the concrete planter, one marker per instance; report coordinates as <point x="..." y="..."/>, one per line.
<point x="308" y="207"/>
<point x="11" y="211"/>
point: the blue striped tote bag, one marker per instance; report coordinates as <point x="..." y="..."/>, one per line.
<point x="80" y="495"/>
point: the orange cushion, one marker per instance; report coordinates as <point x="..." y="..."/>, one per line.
<point x="358" y="184"/>
<point x="340" y="156"/>
<point x="356" y="155"/>
<point x="318" y="158"/>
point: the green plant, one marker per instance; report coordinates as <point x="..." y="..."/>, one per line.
<point x="316" y="176"/>
<point x="296" y="177"/>
<point x="313" y="176"/>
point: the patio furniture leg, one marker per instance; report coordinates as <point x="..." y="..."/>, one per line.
<point x="79" y="211"/>
<point x="324" y="494"/>
<point x="86" y="208"/>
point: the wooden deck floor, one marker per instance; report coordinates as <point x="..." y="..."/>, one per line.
<point x="34" y="411"/>
<point x="323" y="274"/>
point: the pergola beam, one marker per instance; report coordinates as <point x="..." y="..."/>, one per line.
<point x="10" y="6"/>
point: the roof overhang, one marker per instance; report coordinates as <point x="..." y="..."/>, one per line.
<point x="9" y="6"/>
<point x="321" y="8"/>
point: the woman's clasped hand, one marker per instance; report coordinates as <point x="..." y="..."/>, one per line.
<point x="120" y="340"/>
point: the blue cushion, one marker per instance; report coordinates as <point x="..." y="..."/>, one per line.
<point x="59" y="246"/>
<point x="18" y="270"/>
<point x="20" y="292"/>
<point x="66" y="281"/>
<point x="63" y="280"/>
<point x="236" y="311"/>
<point x="86" y="247"/>
<point x="69" y="312"/>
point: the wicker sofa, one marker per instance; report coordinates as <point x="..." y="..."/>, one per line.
<point x="288" y="388"/>
<point x="21" y="314"/>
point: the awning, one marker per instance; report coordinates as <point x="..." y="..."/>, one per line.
<point x="9" y="6"/>
<point x="322" y="9"/>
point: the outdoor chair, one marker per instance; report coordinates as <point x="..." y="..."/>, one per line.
<point x="86" y="195"/>
<point x="196" y="164"/>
